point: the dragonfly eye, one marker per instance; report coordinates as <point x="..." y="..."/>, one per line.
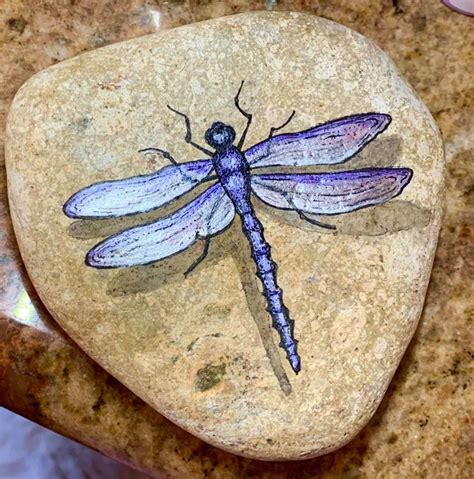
<point x="220" y="135"/>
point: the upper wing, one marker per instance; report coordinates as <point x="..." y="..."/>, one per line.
<point x="205" y="216"/>
<point x="138" y="194"/>
<point x="332" y="142"/>
<point x="331" y="193"/>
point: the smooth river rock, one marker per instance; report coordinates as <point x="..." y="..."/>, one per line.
<point x="201" y="349"/>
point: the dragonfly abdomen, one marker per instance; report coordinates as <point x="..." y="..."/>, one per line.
<point x="266" y="272"/>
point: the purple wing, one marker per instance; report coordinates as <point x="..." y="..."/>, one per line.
<point x="331" y="193"/>
<point x="206" y="215"/>
<point x="138" y="194"/>
<point x="327" y="144"/>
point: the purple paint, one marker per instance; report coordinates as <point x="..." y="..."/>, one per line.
<point x="234" y="175"/>
<point x="233" y="171"/>
<point x="466" y="7"/>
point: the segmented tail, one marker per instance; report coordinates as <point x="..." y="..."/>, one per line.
<point x="266" y="272"/>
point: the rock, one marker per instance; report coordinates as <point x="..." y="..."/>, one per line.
<point x="201" y="349"/>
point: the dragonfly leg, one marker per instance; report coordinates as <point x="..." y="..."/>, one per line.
<point x="166" y="154"/>
<point x="304" y="217"/>
<point x="246" y="114"/>
<point x="201" y="257"/>
<point x="273" y="128"/>
<point x="189" y="136"/>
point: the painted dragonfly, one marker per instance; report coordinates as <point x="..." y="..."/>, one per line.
<point x="233" y="176"/>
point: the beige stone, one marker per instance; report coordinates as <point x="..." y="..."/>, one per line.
<point x="200" y="350"/>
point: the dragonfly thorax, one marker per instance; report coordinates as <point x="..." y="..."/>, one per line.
<point x="220" y="136"/>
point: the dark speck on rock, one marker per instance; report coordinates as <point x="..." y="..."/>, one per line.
<point x="17" y="24"/>
<point x="392" y="439"/>
<point x="209" y="376"/>
<point x="396" y="6"/>
<point x="423" y="422"/>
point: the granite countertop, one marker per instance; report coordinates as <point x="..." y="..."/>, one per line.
<point x="422" y="428"/>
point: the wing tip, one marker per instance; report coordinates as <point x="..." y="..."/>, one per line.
<point x="403" y="175"/>
<point x="406" y="176"/>
<point x="93" y="260"/>
<point x="70" y="208"/>
<point x="403" y="178"/>
<point x="95" y="257"/>
<point x="75" y="207"/>
<point x="90" y="259"/>
<point x="383" y="121"/>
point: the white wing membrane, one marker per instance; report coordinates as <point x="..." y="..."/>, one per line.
<point x="138" y="194"/>
<point x="207" y="215"/>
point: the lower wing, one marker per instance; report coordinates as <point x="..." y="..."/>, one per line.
<point x="138" y="194"/>
<point x="208" y="214"/>
<point x="331" y="193"/>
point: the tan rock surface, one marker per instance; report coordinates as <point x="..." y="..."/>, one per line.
<point x="199" y="350"/>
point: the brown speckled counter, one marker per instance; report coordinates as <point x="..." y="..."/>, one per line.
<point x="422" y="428"/>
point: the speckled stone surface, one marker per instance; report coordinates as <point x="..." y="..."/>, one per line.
<point x="422" y="428"/>
<point x="199" y="349"/>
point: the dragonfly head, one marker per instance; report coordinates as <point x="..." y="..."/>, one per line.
<point x="220" y="135"/>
